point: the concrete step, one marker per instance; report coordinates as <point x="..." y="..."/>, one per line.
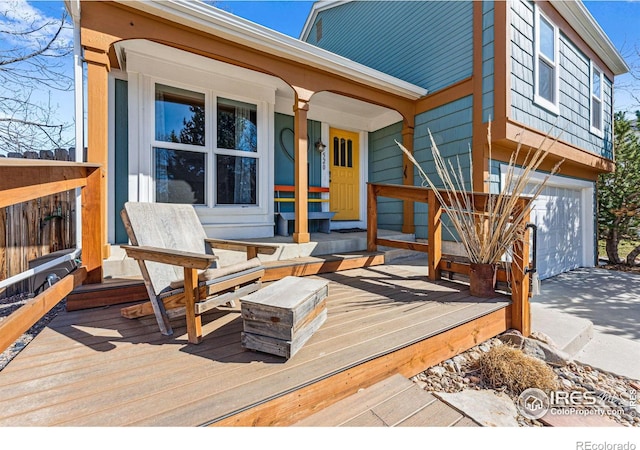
<point x="568" y="332"/>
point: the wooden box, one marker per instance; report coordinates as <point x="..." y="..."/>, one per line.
<point x="281" y="317"/>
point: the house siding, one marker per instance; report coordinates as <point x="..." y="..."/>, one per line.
<point x="403" y="38"/>
<point x="284" y="159"/>
<point x="385" y="166"/>
<point x="574" y="87"/>
<point x="451" y="126"/>
<point x="121" y="148"/>
<point x="487" y="60"/>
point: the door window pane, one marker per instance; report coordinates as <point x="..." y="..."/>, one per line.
<point x="179" y="115"/>
<point x="180" y="176"/>
<point x="236" y="180"/>
<point x="237" y="125"/>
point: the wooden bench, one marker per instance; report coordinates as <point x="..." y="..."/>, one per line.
<point x="283" y="218"/>
<point x="281" y="317"/>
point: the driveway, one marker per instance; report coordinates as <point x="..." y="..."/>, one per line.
<point x="609" y="299"/>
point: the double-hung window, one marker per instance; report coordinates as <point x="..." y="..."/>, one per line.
<point x="199" y="163"/>
<point x="596" y="100"/>
<point x="546" y="63"/>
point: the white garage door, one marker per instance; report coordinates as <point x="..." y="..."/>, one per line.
<point x="564" y="215"/>
<point x="558" y="212"/>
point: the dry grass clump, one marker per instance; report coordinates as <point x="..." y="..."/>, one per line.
<point x="510" y="367"/>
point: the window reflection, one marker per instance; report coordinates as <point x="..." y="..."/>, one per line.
<point x="237" y="125"/>
<point x="236" y="180"/>
<point x="180" y="115"/>
<point x="180" y="176"/>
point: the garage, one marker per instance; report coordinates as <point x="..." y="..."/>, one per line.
<point x="564" y="215"/>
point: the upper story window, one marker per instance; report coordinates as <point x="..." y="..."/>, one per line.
<point x="546" y="63"/>
<point x="596" y="100"/>
<point x="188" y="167"/>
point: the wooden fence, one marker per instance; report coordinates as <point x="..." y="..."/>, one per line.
<point x="519" y="277"/>
<point x="22" y="181"/>
<point x="32" y="229"/>
<point x="37" y="227"/>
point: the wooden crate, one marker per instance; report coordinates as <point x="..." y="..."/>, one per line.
<point x="281" y="317"/>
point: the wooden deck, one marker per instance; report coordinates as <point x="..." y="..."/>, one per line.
<point x="95" y="368"/>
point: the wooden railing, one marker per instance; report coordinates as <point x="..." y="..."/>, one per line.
<point x="517" y="275"/>
<point x="23" y="180"/>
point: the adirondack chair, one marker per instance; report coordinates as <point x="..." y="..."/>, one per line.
<point x="180" y="271"/>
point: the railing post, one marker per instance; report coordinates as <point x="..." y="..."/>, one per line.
<point x="520" y="309"/>
<point x="372" y="218"/>
<point x="434" y="226"/>
<point x="92" y="219"/>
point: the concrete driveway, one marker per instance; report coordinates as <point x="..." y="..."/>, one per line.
<point x="609" y="299"/>
<point x="595" y="315"/>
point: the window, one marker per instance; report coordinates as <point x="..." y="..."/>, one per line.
<point x="236" y="153"/>
<point x="183" y="149"/>
<point x="596" y="100"/>
<point x="546" y="63"/>
<point x="179" y="153"/>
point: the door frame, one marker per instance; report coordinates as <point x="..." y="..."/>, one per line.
<point x="363" y="148"/>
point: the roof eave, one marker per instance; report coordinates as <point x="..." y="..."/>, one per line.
<point x="212" y="20"/>
<point x="579" y="17"/>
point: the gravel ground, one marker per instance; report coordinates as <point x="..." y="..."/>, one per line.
<point x="461" y="372"/>
<point x="10" y="304"/>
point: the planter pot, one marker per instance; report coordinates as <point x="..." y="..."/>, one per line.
<point x="482" y="280"/>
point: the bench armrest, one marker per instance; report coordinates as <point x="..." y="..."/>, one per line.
<point x="254" y="247"/>
<point x="180" y="258"/>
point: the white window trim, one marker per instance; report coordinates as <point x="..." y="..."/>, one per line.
<point x="552" y="107"/>
<point x="595" y="130"/>
<point x="210" y="147"/>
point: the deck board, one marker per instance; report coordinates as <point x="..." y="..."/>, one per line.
<point x="93" y="367"/>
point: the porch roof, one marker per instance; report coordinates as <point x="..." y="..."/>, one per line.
<point x="214" y="21"/>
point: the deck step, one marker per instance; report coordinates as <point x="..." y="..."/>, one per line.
<point x="393" y="402"/>
<point x="313" y="265"/>
<point x="114" y="291"/>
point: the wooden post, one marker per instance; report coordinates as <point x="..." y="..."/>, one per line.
<point x="372" y="218"/>
<point x="408" y="217"/>
<point x="434" y="226"/>
<point x="98" y="132"/>
<point x="301" y="181"/>
<point x="194" y="322"/>
<point x="92" y="220"/>
<point x="520" y="308"/>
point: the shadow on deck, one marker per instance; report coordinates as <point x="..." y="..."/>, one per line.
<point x="95" y="368"/>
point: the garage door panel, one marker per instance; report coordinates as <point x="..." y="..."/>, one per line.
<point x="557" y="214"/>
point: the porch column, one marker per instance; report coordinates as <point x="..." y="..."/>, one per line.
<point x="97" y="134"/>
<point x="408" y="224"/>
<point x="301" y="181"/>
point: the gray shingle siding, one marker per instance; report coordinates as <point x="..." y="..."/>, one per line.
<point x="574" y="87"/>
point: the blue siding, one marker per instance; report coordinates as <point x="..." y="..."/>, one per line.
<point x="385" y="166"/>
<point x="405" y="39"/>
<point x="574" y="99"/>
<point x="284" y="158"/>
<point x="452" y="129"/>
<point x="487" y="60"/>
<point x="121" y="148"/>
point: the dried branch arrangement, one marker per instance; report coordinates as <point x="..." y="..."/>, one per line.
<point x="488" y="229"/>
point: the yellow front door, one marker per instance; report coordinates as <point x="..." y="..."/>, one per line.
<point x="344" y="184"/>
